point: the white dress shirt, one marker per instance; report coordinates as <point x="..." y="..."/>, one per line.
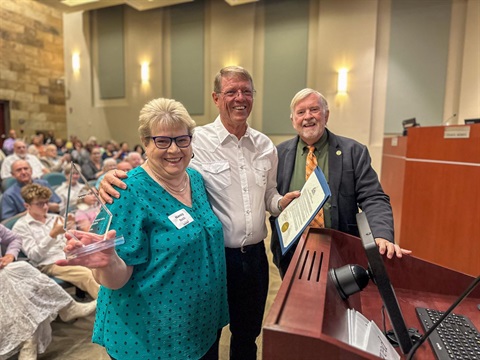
<point x="62" y="191"/>
<point x="240" y="178"/>
<point x="35" y="163"/>
<point x="40" y="248"/>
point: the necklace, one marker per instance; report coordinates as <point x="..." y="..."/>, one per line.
<point x="168" y="187"/>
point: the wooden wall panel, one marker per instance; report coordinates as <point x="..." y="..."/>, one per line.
<point x="435" y="194"/>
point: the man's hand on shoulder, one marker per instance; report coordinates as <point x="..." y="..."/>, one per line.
<point x="106" y="189"/>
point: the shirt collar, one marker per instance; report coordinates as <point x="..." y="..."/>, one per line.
<point x="224" y="136"/>
<point x="29" y="219"/>
<point x="320" y="144"/>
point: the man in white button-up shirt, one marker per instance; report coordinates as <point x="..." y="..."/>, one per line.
<point x="20" y="153"/>
<point x="239" y="166"/>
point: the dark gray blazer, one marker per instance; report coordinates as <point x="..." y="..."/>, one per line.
<point x="353" y="183"/>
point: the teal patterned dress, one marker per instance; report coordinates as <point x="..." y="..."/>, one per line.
<point x="175" y="301"/>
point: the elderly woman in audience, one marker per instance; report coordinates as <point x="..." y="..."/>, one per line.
<point x="92" y="169"/>
<point x="52" y="161"/>
<point x="80" y="155"/>
<point x="172" y="265"/>
<point x="29" y="302"/>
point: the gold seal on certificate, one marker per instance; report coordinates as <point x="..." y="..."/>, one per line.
<point x="301" y="211"/>
<point x="87" y="218"/>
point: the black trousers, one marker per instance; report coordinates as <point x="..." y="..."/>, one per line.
<point x="247" y="287"/>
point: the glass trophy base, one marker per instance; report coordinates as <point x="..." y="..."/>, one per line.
<point x="95" y="247"/>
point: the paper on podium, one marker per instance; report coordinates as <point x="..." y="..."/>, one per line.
<point x="293" y="220"/>
<point x="87" y="219"/>
<point x="366" y="335"/>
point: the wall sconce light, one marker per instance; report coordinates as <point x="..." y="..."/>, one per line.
<point x="76" y="62"/>
<point x="342" y="81"/>
<point x="145" y="72"/>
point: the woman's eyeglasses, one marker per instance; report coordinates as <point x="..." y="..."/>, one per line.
<point x="164" y="142"/>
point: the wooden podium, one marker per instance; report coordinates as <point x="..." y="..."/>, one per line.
<point x="433" y="179"/>
<point x="308" y="319"/>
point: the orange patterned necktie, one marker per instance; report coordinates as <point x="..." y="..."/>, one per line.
<point x="318" y="221"/>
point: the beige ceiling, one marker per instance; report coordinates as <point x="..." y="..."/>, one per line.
<point x="69" y="6"/>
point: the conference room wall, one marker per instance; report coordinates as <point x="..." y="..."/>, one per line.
<point x="347" y="33"/>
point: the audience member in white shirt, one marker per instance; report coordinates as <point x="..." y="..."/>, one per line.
<point x="20" y="153"/>
<point x="43" y="240"/>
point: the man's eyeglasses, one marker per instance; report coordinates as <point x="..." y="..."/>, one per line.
<point x="164" y="142"/>
<point x="230" y="94"/>
<point x="40" y="204"/>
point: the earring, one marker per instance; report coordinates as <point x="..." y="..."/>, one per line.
<point x="193" y="155"/>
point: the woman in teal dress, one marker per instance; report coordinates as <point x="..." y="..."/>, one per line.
<point x="163" y="293"/>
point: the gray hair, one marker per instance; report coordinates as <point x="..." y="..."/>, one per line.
<point x="231" y="71"/>
<point x="164" y="112"/>
<point x="302" y="94"/>
<point x="109" y="162"/>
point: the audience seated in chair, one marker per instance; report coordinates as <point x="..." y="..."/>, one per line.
<point x="54" y="179"/>
<point x="52" y="161"/>
<point x="20" y="153"/>
<point x="92" y="169"/>
<point x="62" y="190"/>
<point x="30" y="301"/>
<point x="12" y="202"/>
<point x="43" y="239"/>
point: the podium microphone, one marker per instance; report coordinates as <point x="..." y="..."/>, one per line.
<point x="439" y="321"/>
<point x="446" y="122"/>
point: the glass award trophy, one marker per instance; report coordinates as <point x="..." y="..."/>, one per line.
<point x="87" y="219"/>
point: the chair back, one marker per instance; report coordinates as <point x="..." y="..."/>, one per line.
<point x="9" y="222"/>
<point x="54" y="178"/>
<point x="7" y="182"/>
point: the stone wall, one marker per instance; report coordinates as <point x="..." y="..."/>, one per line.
<point x="32" y="67"/>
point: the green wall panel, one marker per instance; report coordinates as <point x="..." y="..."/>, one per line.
<point x="111" y="62"/>
<point x="187" y="56"/>
<point x="417" y="67"/>
<point x="286" y="49"/>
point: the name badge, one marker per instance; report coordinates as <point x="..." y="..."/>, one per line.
<point x="180" y="218"/>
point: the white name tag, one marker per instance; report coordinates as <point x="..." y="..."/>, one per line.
<point x="180" y="218"/>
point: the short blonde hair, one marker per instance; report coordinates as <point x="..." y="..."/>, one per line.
<point x="31" y="192"/>
<point x="164" y="112"/>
